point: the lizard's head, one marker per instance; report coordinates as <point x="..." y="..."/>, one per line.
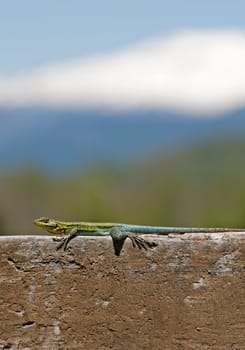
<point x="49" y="225"/>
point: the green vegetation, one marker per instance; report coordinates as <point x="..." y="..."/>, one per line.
<point x="197" y="186"/>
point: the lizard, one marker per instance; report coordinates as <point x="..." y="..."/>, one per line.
<point x="118" y="232"/>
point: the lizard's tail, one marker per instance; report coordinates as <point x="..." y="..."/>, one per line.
<point x="181" y="230"/>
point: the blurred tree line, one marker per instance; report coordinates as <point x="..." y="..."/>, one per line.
<point x="196" y="186"/>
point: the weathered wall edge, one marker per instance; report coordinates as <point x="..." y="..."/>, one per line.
<point x="188" y="293"/>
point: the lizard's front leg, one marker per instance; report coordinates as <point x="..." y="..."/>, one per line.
<point x="65" y="240"/>
<point x="119" y="236"/>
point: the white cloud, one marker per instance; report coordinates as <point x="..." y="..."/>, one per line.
<point x="193" y="71"/>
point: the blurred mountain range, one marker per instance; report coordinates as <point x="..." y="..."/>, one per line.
<point x="59" y="140"/>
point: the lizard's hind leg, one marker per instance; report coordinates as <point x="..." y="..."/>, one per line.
<point x="119" y="236"/>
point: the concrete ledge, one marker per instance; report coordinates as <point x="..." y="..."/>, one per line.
<point x="188" y="293"/>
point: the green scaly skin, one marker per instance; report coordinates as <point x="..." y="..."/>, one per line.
<point x="118" y="232"/>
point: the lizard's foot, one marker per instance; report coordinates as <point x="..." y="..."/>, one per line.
<point x="65" y="240"/>
<point x="119" y="237"/>
<point x="63" y="243"/>
<point x="141" y="242"/>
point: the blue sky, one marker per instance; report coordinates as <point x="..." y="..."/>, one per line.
<point x="37" y="33"/>
<point x="179" y="55"/>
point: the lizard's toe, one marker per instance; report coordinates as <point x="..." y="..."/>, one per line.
<point x="141" y="242"/>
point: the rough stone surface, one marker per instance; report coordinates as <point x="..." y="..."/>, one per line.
<point x="188" y="293"/>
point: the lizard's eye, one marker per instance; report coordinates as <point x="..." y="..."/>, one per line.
<point x="44" y="220"/>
